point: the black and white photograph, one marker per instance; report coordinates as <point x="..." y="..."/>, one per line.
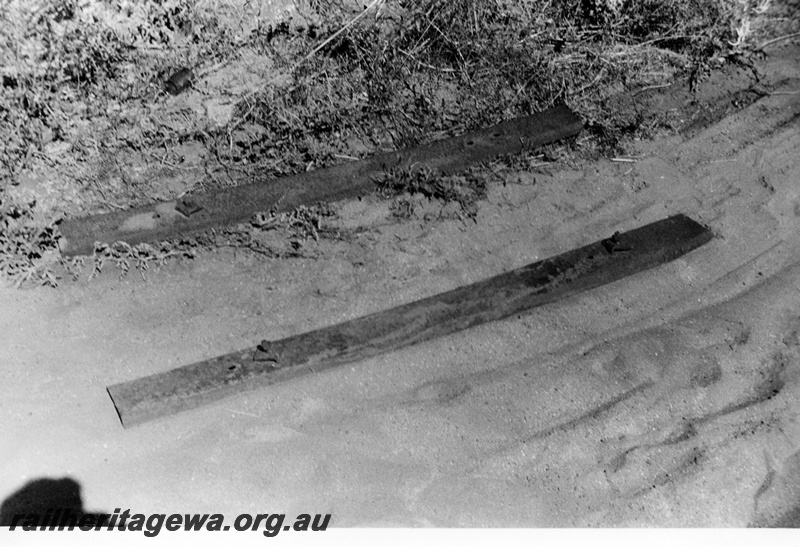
<point x="399" y="271"/>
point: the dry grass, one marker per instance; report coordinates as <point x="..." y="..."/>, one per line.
<point x="83" y="105"/>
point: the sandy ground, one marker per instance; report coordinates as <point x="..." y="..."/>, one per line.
<point x="667" y="399"/>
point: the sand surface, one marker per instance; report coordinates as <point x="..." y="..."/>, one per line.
<point x="669" y="398"/>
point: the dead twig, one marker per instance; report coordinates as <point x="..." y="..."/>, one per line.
<point x="651" y="87"/>
<point x="593" y="82"/>
<point x="295" y="66"/>
<point x="778" y="39"/>
<point x="336" y="34"/>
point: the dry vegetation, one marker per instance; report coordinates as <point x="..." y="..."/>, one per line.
<point x="85" y="121"/>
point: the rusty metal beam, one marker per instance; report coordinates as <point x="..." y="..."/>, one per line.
<point x="496" y="298"/>
<point x="228" y="206"/>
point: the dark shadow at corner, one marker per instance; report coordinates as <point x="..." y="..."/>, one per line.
<point x="47" y="502"/>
